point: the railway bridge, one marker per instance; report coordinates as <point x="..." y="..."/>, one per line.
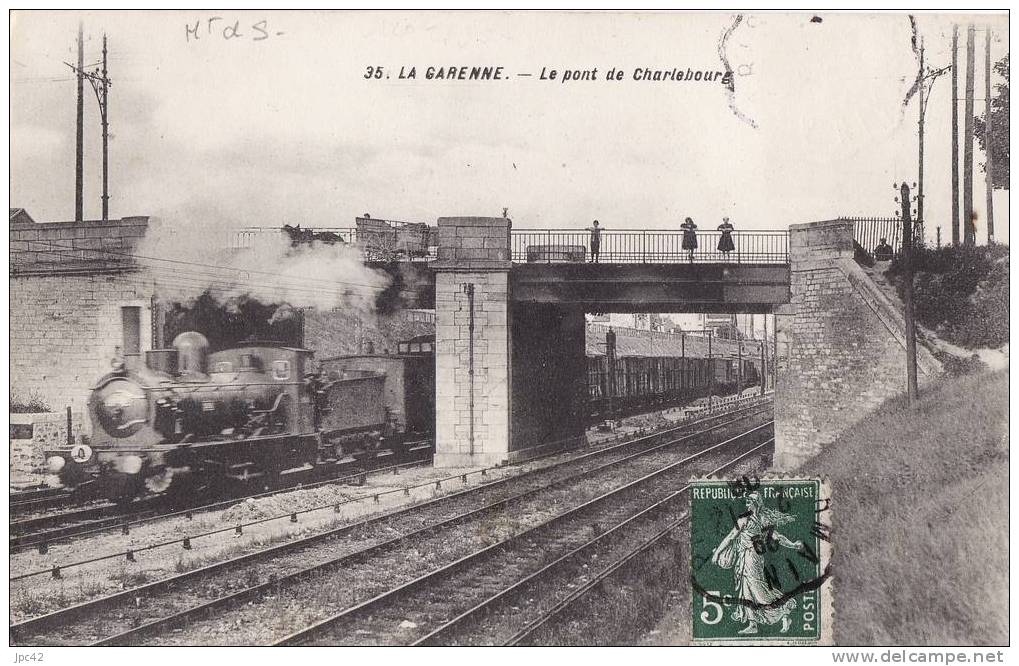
<point x="509" y="311"/>
<point x="510" y="304"/>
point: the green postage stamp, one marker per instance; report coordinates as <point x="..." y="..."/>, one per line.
<point x="761" y="561"/>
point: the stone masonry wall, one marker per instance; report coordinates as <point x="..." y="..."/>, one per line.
<point x="64" y="331"/>
<point x="36" y="433"/>
<point x="844" y="356"/>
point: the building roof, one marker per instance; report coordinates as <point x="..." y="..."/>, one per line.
<point x="637" y="342"/>
<point x="20" y="216"/>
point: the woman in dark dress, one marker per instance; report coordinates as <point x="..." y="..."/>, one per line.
<point x="689" y="237"/>
<point x="725" y="244"/>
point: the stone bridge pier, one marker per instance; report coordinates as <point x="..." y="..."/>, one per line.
<point x="509" y="376"/>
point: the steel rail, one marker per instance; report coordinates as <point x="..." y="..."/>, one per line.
<point x="325" y="626"/>
<point x="63" y="616"/>
<point x="366" y="553"/>
<point x="550" y="569"/>
<point x="57" y="570"/>
<point x="125" y="522"/>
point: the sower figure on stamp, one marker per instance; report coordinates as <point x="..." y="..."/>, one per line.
<point x="742" y="550"/>
<point x="689" y="237"/>
<point x="725" y="244"/>
<point x="595" y="241"/>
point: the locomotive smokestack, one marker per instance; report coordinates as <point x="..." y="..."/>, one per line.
<point x="192" y="349"/>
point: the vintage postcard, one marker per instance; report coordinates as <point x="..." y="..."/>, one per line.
<point x="514" y="328"/>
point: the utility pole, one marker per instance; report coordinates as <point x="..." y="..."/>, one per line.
<point x="100" y="85"/>
<point x="927" y="77"/>
<point x="104" y="110"/>
<point x="764" y="344"/>
<point x="987" y="135"/>
<point x="774" y="355"/>
<point x="711" y="372"/>
<point x="968" y="229"/>
<point x="955" y="135"/>
<point x="739" y="366"/>
<point x="79" y="162"/>
<point x="468" y="288"/>
<point x="907" y="263"/>
<point x="919" y="192"/>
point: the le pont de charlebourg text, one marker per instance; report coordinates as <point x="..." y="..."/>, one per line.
<point x="566" y="75"/>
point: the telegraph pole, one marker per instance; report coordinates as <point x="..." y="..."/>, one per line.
<point x="968" y="229"/>
<point x="79" y="162"/>
<point x="955" y="135"/>
<point x="104" y="109"/>
<point x="924" y="96"/>
<point x="987" y="136"/>
<point x="919" y="190"/>
<point x="100" y="85"/>
<point x="764" y="354"/>
<point x="907" y="264"/>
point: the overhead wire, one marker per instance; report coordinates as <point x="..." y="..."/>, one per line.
<point x="169" y="277"/>
<point x="275" y="275"/>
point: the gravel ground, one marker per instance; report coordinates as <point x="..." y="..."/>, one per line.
<point x="275" y="615"/>
<point x="431" y="605"/>
<point x="41" y="594"/>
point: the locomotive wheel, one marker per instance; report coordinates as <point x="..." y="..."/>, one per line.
<point x="171" y="481"/>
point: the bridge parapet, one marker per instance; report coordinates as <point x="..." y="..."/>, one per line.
<point x="635" y="246"/>
<point x="379" y="240"/>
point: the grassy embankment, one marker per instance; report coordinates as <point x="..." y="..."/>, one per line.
<point x="920" y="499"/>
<point x="920" y="521"/>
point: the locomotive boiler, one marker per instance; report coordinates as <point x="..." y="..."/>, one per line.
<point x="188" y="419"/>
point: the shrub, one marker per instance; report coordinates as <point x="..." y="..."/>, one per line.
<point x="33" y="405"/>
<point x="961" y="292"/>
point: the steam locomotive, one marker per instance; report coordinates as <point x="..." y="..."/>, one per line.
<point x="254" y="413"/>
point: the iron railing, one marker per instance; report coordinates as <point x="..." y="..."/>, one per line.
<point x="573" y="246"/>
<point x="868" y="232"/>
<point x="648" y="247"/>
<point x="251" y="237"/>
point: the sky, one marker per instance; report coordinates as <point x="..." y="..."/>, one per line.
<point x="279" y="125"/>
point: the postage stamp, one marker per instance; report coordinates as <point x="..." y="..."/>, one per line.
<point x="761" y="561"/>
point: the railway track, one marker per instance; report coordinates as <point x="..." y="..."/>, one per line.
<point x="518" y="613"/>
<point x="148" y="612"/>
<point x="44" y="530"/>
<point x="30" y="501"/>
<point x="403" y="614"/>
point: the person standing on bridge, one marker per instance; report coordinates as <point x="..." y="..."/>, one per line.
<point x="595" y="241"/>
<point x="725" y="244"/>
<point x="689" y="237"/>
